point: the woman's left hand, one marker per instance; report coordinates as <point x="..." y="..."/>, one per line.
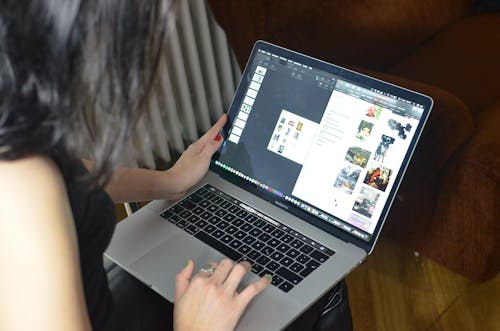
<point x="194" y="162"/>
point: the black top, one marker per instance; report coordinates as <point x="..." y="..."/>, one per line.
<point x="95" y="220"/>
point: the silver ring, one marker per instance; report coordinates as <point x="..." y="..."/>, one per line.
<point x="208" y="269"/>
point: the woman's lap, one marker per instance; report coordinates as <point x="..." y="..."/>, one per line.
<point x="138" y="308"/>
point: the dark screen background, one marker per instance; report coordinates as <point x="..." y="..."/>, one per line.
<point x="279" y="90"/>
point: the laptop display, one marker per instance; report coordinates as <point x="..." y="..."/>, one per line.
<point x="325" y="143"/>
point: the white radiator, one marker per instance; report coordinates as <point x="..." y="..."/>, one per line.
<point x="198" y="75"/>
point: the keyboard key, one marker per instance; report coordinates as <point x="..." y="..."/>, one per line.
<point x="204" y="203"/>
<point x="235" y="243"/>
<point x="318" y="256"/>
<point x="185" y="214"/>
<point x="231" y="229"/>
<point x="182" y="223"/>
<point x="278" y="233"/>
<point x="209" y="228"/>
<point x="254" y="255"/>
<point x="214" y="220"/>
<point x="212" y="208"/>
<point x="257" y="268"/>
<point x="306" y="249"/>
<point x="272" y="266"/>
<point x="287" y="238"/>
<point x="286" y="261"/>
<point x="244" y="249"/>
<point x="293" y="253"/>
<point x="238" y="222"/>
<point x="177" y="209"/>
<point x="226" y="239"/>
<point x="198" y="210"/>
<point x="267" y="251"/>
<point x="229" y="217"/>
<point x="277" y="280"/>
<point x="249" y="240"/>
<point x="246" y="227"/>
<point x="193" y="219"/>
<point x="259" y="223"/>
<point x="288" y="275"/>
<point x="233" y="255"/>
<point x="302" y="258"/>
<point x="276" y="256"/>
<point x="268" y="228"/>
<point x="251" y="218"/>
<point x="285" y="287"/>
<point x="310" y="267"/>
<point x="222" y="225"/>
<point x="255" y="232"/>
<point x="218" y="233"/>
<point x="201" y="224"/>
<point x="209" y="196"/>
<point x="240" y="235"/>
<point x="221" y="212"/>
<point x="263" y="260"/>
<point x="264" y="237"/>
<point x="296" y="267"/>
<point x="234" y="209"/>
<point x="192" y="229"/>
<point x="296" y="243"/>
<point x="206" y="215"/>
<point x="225" y="204"/>
<point x="202" y="191"/>
<point x="283" y="248"/>
<point x="187" y="204"/>
<point x="242" y="214"/>
<point x="217" y="200"/>
<point x="273" y="242"/>
<point x="195" y="197"/>
<point x="166" y="214"/>
<point x="258" y="245"/>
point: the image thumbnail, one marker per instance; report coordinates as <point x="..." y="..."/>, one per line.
<point x="358" y="156"/>
<point x="347" y="178"/>
<point x="359" y="221"/>
<point x="374" y="111"/>
<point x="365" y="202"/>
<point x="378" y="177"/>
<point x="401" y="128"/>
<point x="364" y="130"/>
<point x="383" y="147"/>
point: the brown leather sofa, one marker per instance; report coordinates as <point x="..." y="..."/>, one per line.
<point x="448" y="205"/>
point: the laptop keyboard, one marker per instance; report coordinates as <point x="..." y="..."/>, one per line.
<point x="242" y="234"/>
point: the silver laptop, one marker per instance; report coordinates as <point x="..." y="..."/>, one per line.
<point x="312" y="159"/>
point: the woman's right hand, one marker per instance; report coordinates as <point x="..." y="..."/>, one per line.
<point x="210" y="301"/>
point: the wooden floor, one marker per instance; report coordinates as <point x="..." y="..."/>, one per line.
<point x="396" y="290"/>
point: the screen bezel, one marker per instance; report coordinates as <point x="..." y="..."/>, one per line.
<point x="345" y="74"/>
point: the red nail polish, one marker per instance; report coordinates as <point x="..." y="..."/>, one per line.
<point x="218" y="137"/>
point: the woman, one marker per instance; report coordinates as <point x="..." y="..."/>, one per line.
<point x="75" y="74"/>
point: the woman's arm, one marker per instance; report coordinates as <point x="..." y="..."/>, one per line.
<point x="40" y="280"/>
<point x="130" y="184"/>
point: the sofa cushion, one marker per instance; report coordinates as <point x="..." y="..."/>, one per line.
<point x="464" y="59"/>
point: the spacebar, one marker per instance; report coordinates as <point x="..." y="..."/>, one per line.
<point x="214" y="243"/>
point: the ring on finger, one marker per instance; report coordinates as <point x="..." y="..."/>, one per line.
<point x="208" y="269"/>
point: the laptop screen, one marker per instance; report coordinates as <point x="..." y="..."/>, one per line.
<point x="320" y="141"/>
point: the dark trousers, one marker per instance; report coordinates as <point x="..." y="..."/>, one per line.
<point x="138" y="308"/>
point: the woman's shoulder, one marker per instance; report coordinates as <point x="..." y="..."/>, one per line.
<point x="29" y="179"/>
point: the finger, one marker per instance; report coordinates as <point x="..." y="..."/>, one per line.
<point x="223" y="269"/>
<point x="252" y="290"/>
<point x="215" y="129"/>
<point x="211" y="147"/>
<point x="236" y="275"/>
<point x="182" y="280"/>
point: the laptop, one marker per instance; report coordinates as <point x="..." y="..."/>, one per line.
<point x="311" y="162"/>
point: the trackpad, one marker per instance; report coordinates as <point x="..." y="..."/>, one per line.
<point x="159" y="266"/>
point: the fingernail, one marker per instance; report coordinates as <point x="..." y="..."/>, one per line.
<point x="187" y="263"/>
<point x="269" y="278"/>
<point x="218" y="137"/>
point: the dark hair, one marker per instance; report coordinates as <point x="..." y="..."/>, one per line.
<point x="76" y="73"/>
